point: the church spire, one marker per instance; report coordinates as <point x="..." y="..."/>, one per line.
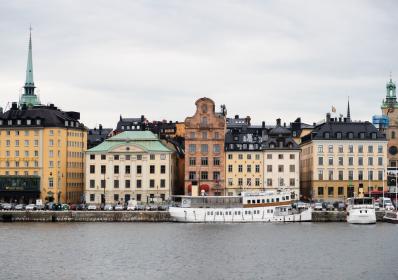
<point x="348" y="110"/>
<point x="29" y="97"/>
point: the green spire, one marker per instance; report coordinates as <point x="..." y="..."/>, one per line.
<point x="29" y="98"/>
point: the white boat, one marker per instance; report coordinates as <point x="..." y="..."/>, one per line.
<point x="247" y="208"/>
<point x="391" y="217"/>
<point x="361" y="211"/>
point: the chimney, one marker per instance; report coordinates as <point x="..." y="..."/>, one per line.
<point x="263" y="124"/>
<point x="142" y="118"/>
<point x="248" y="119"/>
<point x="328" y="117"/>
<point x="284" y="124"/>
<point x="100" y="129"/>
<point x="278" y="122"/>
<point x="236" y="117"/>
<point x="14" y="106"/>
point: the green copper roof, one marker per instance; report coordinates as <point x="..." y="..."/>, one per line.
<point x="29" y="97"/>
<point x="145" y="140"/>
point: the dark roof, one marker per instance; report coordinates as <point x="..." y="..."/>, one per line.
<point x="346" y="130"/>
<point x="49" y="116"/>
<point x="98" y="135"/>
<point x="128" y="124"/>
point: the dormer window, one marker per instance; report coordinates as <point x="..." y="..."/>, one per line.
<point x="327" y="135"/>
<point x="9" y="122"/>
<point x="19" y="122"/>
<point x="350" y="135"/>
<point x="66" y="123"/>
<point x="374" y="135"/>
<point x="1" y="122"/>
<point x="362" y="135"/>
<point x="28" y="122"/>
<point x="338" y="135"/>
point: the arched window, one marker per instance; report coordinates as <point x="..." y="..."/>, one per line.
<point x="204" y="120"/>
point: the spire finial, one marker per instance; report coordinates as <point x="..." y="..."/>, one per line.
<point x="390" y="76"/>
<point x="348" y="110"/>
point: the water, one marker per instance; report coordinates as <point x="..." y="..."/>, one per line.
<point x="198" y="251"/>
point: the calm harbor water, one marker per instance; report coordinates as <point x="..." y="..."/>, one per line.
<point x="198" y="251"/>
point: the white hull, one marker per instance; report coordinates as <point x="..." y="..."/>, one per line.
<point x="361" y="216"/>
<point x="237" y="215"/>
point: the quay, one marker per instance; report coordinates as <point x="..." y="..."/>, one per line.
<point x="134" y="216"/>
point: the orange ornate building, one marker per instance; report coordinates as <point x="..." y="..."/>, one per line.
<point x="204" y="149"/>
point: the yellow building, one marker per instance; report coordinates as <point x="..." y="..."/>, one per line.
<point x="341" y="158"/>
<point x="41" y="150"/>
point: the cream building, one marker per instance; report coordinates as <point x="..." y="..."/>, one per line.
<point x="341" y="159"/>
<point x="131" y="165"/>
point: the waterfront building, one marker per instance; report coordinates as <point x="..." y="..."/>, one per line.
<point x="281" y="157"/>
<point x="341" y="158"/>
<point x="41" y="149"/>
<point x="130" y="165"/>
<point x="204" y="149"/>
<point x="389" y="109"/>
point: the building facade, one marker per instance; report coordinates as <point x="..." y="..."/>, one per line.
<point x="341" y="158"/>
<point x="131" y="165"/>
<point x="389" y="109"/>
<point x="41" y="151"/>
<point x="204" y="149"/>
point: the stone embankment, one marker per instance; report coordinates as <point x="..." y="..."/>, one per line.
<point x="133" y="216"/>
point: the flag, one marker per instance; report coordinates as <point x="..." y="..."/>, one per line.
<point x="333" y="109"/>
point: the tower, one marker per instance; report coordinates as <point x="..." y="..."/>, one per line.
<point x="348" y="111"/>
<point x="29" y="97"/>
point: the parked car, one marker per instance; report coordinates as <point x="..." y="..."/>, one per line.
<point x="377" y="206"/>
<point x="30" y="207"/>
<point x="80" y="207"/>
<point x="91" y="207"/>
<point x="131" y="207"/>
<point x="119" y="207"/>
<point x="162" y="207"/>
<point x="339" y="205"/>
<point x="8" y="206"/>
<point x="73" y="207"/>
<point x="49" y="206"/>
<point x="64" y="207"/>
<point x="39" y="206"/>
<point x="20" y="207"/>
<point x="139" y="207"/>
<point x="318" y="206"/>
<point x="329" y="206"/>
<point x="108" y="207"/>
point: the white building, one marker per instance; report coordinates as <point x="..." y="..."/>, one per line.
<point x="131" y="165"/>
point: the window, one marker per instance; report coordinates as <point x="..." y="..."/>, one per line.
<point x="341" y="161"/>
<point x="151" y="183"/>
<point x="204" y="148"/>
<point x="257" y="168"/>
<point x="139" y="184"/>
<point x="292" y="182"/>
<point x="216" y="175"/>
<point x="370" y="149"/>
<point x="350" y="149"/>
<point x="204" y="161"/>
<point x="116" y="157"/>
<point x="320" y="160"/>
<point x="292" y="156"/>
<point x="269" y="168"/>
<point x="380" y="161"/>
<point x="330" y="173"/>
<point x="192" y="161"/>
<point x="292" y="168"/>
<point x="350" y="161"/>
<point x="92" y="157"/>
<point x="216" y="135"/>
<point x="380" y="175"/>
<point x="192" y="148"/>
<point x="240" y="168"/>
<point x="116" y="184"/>
<point x="320" y="191"/>
<point x="341" y="175"/>
<point x="216" y="161"/>
<point x="249" y="156"/>
<point x="26" y="143"/>
<point x="248" y="181"/>
<point x="152" y="169"/>
<point x="116" y="197"/>
<point x="192" y="175"/>
<point x="127" y="184"/>
<point x="330" y="161"/>
<point x="152" y="157"/>
<point x="330" y="191"/>
<point x="360" y="161"/>
<point x="341" y="149"/>
<point x="139" y="169"/>
<point x="103" y="169"/>
<point x="162" y="183"/>
<point x="240" y="182"/>
<point x="240" y="156"/>
<point x="204" y="135"/>
<point x="370" y="161"/>
<point x="139" y="157"/>
<point x="230" y="156"/>
<point x="103" y="157"/>
<point x="360" y="149"/>
<point x="163" y="169"/>
<point x="230" y="168"/>
<point x="116" y="169"/>
<point x="257" y="182"/>
<point x="320" y="174"/>
<point x="92" y="169"/>
<point x="320" y="149"/>
<point x="17" y="143"/>
<point x="280" y="168"/>
<point x="248" y="168"/>
<point x="380" y="149"/>
<point x="127" y="169"/>
<point x="350" y="175"/>
<point x="269" y="182"/>
<point x="370" y="175"/>
<point x="192" y="135"/>
<point x="92" y="197"/>
<point x="204" y="175"/>
<point x="128" y="156"/>
<point x="340" y="191"/>
<point x="280" y="156"/>
<point x="330" y="149"/>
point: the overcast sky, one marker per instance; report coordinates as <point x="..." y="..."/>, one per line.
<point x="266" y="59"/>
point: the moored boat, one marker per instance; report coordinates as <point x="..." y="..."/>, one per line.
<point x="391" y="217"/>
<point x="247" y="208"/>
<point x="361" y="211"/>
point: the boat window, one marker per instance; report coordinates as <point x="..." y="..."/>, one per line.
<point x="267" y="200"/>
<point x="287" y="197"/>
<point x="238" y="212"/>
<point x="272" y="200"/>
<point x="277" y="199"/>
<point x="272" y="210"/>
<point x="283" y="198"/>
<point x="263" y="201"/>
<point x="248" y="201"/>
<point x="211" y="213"/>
<point x="258" y="200"/>
<point x="253" y="201"/>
